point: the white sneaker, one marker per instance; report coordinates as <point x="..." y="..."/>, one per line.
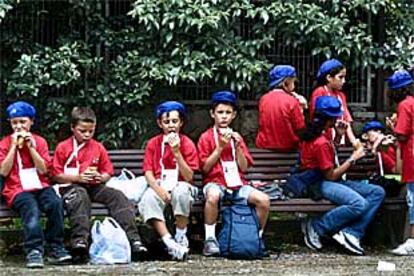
<point x="177" y="251"/>
<point x="182" y="240"/>
<point x="405" y="249"/>
<point x="349" y="242"/>
<point x="311" y="237"/>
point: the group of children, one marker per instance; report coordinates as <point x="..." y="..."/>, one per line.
<point x="81" y="166"/>
<point x="282" y="128"/>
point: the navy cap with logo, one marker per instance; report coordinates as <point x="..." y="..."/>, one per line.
<point x="328" y="106"/>
<point x="279" y="73"/>
<point x="399" y="79"/>
<point x="169" y="106"/>
<point x="376" y="125"/>
<point x="20" y="109"/>
<point x="224" y="96"/>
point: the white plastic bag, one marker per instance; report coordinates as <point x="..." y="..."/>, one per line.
<point x="110" y="244"/>
<point x="132" y="187"/>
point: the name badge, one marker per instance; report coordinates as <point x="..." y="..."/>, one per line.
<point x="169" y="179"/>
<point x="71" y="171"/>
<point x="231" y="174"/>
<point x="30" y="179"/>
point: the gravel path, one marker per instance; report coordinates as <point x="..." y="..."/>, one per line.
<point x="296" y="262"/>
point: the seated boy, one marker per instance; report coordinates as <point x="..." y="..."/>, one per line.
<point x="389" y="155"/>
<point x="83" y="164"/>
<point x="169" y="164"/>
<point x="24" y="163"/>
<point x="224" y="157"/>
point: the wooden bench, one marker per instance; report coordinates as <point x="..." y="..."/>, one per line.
<point x="268" y="166"/>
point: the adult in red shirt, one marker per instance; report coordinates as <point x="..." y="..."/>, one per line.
<point x="169" y="164"/>
<point x="24" y="163"/>
<point x="280" y="112"/>
<point x="330" y="80"/>
<point x="224" y="158"/>
<point x="356" y="201"/>
<point x="401" y="91"/>
<point x="83" y="165"/>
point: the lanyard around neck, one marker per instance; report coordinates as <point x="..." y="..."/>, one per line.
<point x="74" y="154"/>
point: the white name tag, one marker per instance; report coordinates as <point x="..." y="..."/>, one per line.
<point x="30" y="179"/>
<point x="169" y="179"/>
<point x="231" y="174"/>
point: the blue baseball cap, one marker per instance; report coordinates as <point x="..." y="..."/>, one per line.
<point x="224" y="96"/>
<point x="372" y="125"/>
<point x="399" y="79"/>
<point x="279" y="73"/>
<point x="169" y="106"/>
<point x="327" y="67"/>
<point x="329" y="106"/>
<point x="20" y="109"/>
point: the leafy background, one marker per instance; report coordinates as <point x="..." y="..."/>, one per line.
<point x="123" y="64"/>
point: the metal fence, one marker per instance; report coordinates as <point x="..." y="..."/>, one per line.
<point x="46" y="28"/>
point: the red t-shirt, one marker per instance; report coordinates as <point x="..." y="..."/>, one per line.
<point x="323" y="91"/>
<point x="388" y="159"/>
<point x="92" y="153"/>
<point x="317" y="154"/>
<point x="12" y="184"/>
<point x="206" y="146"/>
<point x="280" y="117"/>
<point x="405" y="127"/>
<point x="153" y="155"/>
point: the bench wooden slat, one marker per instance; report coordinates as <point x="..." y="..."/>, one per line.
<point x="268" y="166"/>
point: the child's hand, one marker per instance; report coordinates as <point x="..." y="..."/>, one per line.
<point x="237" y="138"/>
<point x="358" y="153"/>
<point x="86" y="177"/>
<point x="391" y="121"/>
<point x="163" y="194"/>
<point x="302" y="100"/>
<point x="173" y="140"/>
<point x="341" y="127"/>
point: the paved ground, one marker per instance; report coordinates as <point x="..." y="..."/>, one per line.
<point x="299" y="261"/>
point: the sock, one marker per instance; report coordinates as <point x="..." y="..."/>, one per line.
<point x="210" y="231"/>
<point x="261" y="233"/>
<point x="179" y="232"/>
<point x="168" y="240"/>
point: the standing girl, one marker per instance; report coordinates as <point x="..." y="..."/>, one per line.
<point x="330" y="81"/>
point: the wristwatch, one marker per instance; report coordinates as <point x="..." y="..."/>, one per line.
<point x="351" y="160"/>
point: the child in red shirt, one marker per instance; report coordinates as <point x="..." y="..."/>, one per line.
<point x="24" y="163"/>
<point x="224" y="157"/>
<point x="401" y="89"/>
<point x="280" y="111"/>
<point x="330" y="80"/>
<point x="389" y="155"/>
<point x="169" y="164"/>
<point x="84" y="166"/>
<point x="356" y="201"/>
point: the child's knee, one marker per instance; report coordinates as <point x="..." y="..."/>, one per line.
<point x="212" y="197"/>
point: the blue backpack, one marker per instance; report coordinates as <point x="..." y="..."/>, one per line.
<point x="239" y="238"/>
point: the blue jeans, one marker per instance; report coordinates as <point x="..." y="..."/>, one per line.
<point x="30" y="205"/>
<point x="357" y="203"/>
<point x="410" y="201"/>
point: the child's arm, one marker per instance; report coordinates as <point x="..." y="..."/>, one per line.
<point x="7" y="164"/>
<point x="160" y="191"/>
<point x="241" y="158"/>
<point x="185" y="170"/>
<point x="215" y="155"/>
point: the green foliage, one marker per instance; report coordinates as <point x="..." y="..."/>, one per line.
<point x="122" y="65"/>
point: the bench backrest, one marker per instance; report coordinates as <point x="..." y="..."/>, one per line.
<point x="268" y="165"/>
